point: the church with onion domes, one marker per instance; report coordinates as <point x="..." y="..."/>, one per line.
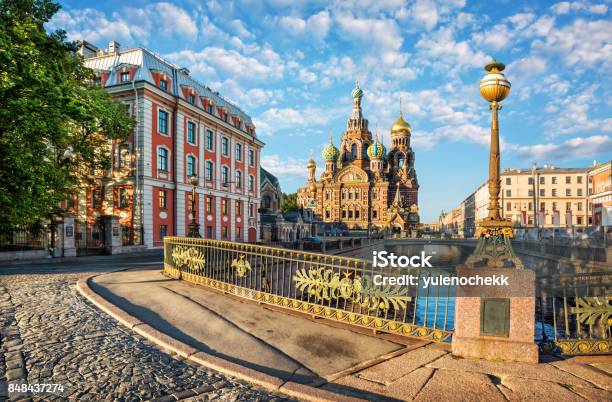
<point x="364" y="186"/>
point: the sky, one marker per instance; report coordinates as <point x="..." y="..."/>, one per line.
<point x="291" y="65"/>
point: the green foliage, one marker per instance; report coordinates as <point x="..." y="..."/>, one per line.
<point x="47" y="104"/>
<point x="289" y="203"/>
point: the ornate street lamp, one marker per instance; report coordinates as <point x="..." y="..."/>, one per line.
<point x="194" y="226"/>
<point x="494" y="248"/>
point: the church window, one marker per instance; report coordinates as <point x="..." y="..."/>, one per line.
<point x="343" y="214"/>
<point x="354" y="151"/>
<point x="401" y="162"/>
<point x="350" y="214"/>
<point x="351" y="195"/>
<point x="375" y="214"/>
<point x="357" y="214"/>
<point x="327" y="214"/>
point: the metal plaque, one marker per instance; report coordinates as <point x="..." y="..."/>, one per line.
<point x="115" y="231"/>
<point x="495" y="317"/>
<point x="69" y="230"/>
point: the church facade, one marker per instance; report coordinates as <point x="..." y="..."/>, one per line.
<point x="364" y="186"/>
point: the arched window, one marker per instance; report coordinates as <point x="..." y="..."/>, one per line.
<point x="364" y="152"/>
<point x="401" y="161"/>
<point x="191" y="166"/>
<point x="225" y="175"/>
<point x="354" y="151"/>
<point x="267" y="202"/>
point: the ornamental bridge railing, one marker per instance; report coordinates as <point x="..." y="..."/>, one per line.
<point x="327" y="286"/>
<point x="574" y="313"/>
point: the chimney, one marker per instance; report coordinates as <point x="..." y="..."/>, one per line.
<point x="86" y="49"/>
<point x="113" y="46"/>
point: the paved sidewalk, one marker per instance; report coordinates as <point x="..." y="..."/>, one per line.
<point x="341" y="359"/>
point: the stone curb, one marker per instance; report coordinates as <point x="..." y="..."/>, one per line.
<point x="276" y="384"/>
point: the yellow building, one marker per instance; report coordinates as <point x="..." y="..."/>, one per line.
<point x="363" y="186"/>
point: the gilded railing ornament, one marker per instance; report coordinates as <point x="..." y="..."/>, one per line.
<point x="494" y="246"/>
<point x="593" y="311"/>
<point x="326" y="285"/>
<point x="241" y="265"/>
<point x="190" y="257"/>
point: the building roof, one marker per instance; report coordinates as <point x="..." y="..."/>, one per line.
<point x="544" y="169"/>
<point x="147" y="61"/>
<point x="265" y="175"/>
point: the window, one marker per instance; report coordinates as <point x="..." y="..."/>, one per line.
<point x="225" y="117"/>
<point x="251" y="158"/>
<point x="124" y="198"/>
<point x="224" y="175"/>
<point x="209" y="108"/>
<point x="579" y="179"/>
<point x="162" y="123"/>
<point x="191" y="166"/>
<point x="375" y="214"/>
<point x="542" y="192"/>
<point x="530" y="206"/>
<point x="327" y="215"/>
<point x="209" y="171"/>
<point x="191" y="99"/>
<point x="225" y="146"/>
<point x="251" y="209"/>
<point x="224" y="233"/>
<point x="327" y="196"/>
<point x="163" y="231"/>
<point x="238" y="179"/>
<point x="579" y="220"/>
<point x="508" y="206"/>
<point x="357" y="214"/>
<point x="209" y="204"/>
<point x="238" y="208"/>
<point x="530" y="181"/>
<point x="224" y="206"/>
<point x="354" y="151"/>
<point x="163" y="85"/>
<point x="579" y="192"/>
<point x="125" y="76"/>
<point x="191" y="132"/>
<point x="568" y="206"/>
<point x="163" y="199"/>
<point x="554" y="206"/>
<point x="554" y="192"/>
<point x="96" y="199"/>
<point x="343" y="214"/>
<point x="239" y="152"/>
<point x="530" y="193"/>
<point x="209" y="232"/>
<point x="124" y="156"/>
<point x="542" y="180"/>
<point x="568" y="179"/>
<point x="162" y="159"/>
<point x="554" y="180"/>
<point x="238" y="233"/>
<point x="210" y="140"/>
<point x="508" y="181"/>
<point x="251" y="183"/>
<point x="579" y="206"/>
<point x="350" y="214"/>
<point x="508" y="193"/>
<point x="542" y="206"/>
<point x="568" y="192"/>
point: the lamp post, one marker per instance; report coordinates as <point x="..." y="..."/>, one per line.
<point x="194" y="226"/>
<point x="494" y="232"/>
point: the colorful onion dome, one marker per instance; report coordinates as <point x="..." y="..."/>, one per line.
<point x="376" y="150"/>
<point x="330" y="152"/>
<point x="357" y="92"/>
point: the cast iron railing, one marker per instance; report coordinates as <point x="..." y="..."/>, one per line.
<point x="328" y="286"/>
<point x="574" y="313"/>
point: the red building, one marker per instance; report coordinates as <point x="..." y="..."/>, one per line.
<point x="183" y="129"/>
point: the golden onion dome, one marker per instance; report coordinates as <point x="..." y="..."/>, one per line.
<point x="401" y="125"/>
<point x="313" y="187"/>
<point x="376" y="150"/>
<point x="494" y="87"/>
<point x="311" y="164"/>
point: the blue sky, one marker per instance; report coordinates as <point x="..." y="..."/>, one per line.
<point x="292" y="64"/>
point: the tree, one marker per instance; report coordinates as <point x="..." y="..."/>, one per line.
<point x="48" y="104"/>
<point x="289" y="203"/>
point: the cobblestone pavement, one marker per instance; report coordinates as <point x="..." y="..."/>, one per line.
<point x="49" y="334"/>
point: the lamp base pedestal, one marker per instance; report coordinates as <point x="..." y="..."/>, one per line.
<point x="194" y="230"/>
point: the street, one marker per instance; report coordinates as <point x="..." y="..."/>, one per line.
<point x="49" y="334"/>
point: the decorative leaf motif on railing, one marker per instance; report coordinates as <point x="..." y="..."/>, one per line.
<point x="592" y="310"/>
<point x="241" y="265"/>
<point x="326" y="285"/>
<point x="190" y="257"/>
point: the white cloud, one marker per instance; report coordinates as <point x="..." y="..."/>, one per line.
<point x="267" y="65"/>
<point x="240" y="29"/>
<point x="130" y="25"/>
<point x="316" y="25"/>
<point x="441" y="47"/>
<point x="575" y="148"/>
<point x="291" y="120"/>
<point x="382" y="32"/>
<point x="285" y="166"/>
<point x="572" y="114"/>
<point x="565" y="7"/>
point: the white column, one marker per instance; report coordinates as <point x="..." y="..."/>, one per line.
<point x="146" y="132"/>
<point x="218" y="161"/>
<point x="147" y="199"/>
<point x="180" y="148"/>
<point x="180" y="212"/>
